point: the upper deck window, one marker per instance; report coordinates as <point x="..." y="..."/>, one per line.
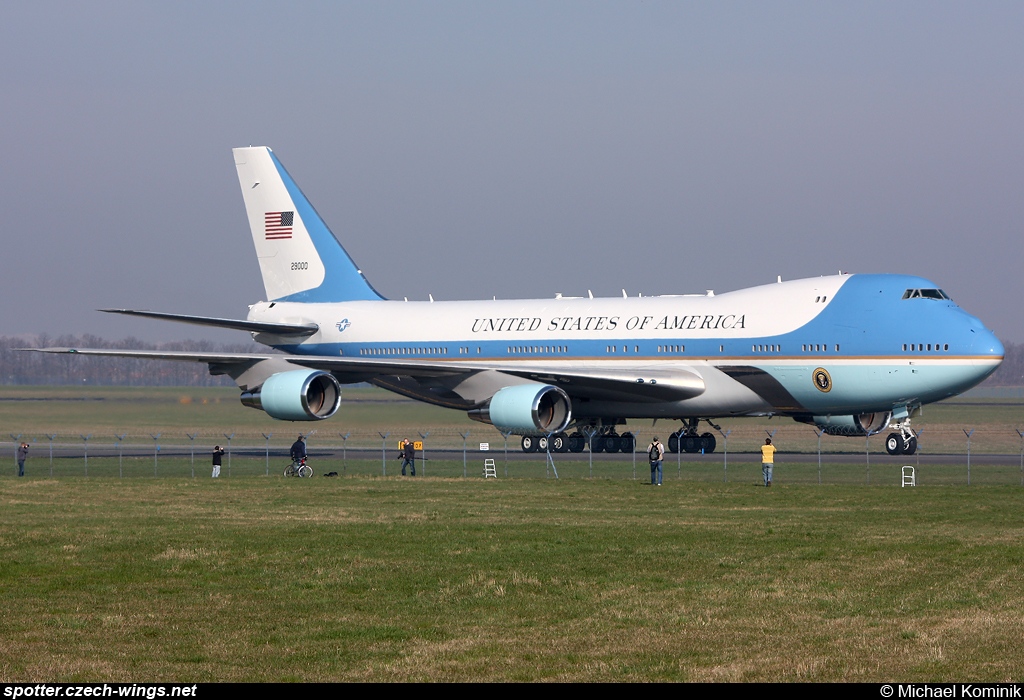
<point x="925" y="294"/>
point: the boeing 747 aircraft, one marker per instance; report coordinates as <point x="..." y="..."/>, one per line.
<point x="850" y="354"/>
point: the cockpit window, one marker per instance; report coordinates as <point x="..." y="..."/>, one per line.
<point x="925" y="294"/>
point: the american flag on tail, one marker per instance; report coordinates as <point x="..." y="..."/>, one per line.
<point x="278" y="224"/>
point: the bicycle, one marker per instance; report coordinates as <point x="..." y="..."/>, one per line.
<point x="299" y="469"/>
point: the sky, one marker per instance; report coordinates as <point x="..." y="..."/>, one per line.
<point x="468" y="150"/>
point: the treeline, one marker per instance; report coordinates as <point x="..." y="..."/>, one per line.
<point x="1011" y="372"/>
<point x="40" y="368"/>
<point x="17" y="367"/>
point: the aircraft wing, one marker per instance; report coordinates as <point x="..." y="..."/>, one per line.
<point x="633" y="384"/>
<point x="282" y="329"/>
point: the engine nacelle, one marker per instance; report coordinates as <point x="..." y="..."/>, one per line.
<point x="527" y="409"/>
<point x="852" y="426"/>
<point x="302" y="394"/>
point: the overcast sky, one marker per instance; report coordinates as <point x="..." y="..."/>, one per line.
<point x="470" y="149"/>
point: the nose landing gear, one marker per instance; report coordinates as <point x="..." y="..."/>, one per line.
<point x="903" y="442"/>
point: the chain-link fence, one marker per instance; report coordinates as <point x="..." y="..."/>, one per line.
<point x="945" y="455"/>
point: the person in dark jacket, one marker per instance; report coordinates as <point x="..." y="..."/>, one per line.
<point x="218" y="453"/>
<point x="23" y="455"/>
<point x="298" y="450"/>
<point x="408" y="456"/>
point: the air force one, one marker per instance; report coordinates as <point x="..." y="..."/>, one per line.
<point x="851" y="354"/>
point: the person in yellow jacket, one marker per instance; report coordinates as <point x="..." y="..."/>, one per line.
<point x="767" y="460"/>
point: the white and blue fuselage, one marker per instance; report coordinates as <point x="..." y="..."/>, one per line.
<point x="756" y="349"/>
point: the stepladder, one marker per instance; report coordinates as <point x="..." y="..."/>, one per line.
<point x="909" y="476"/>
<point x="489" y="469"/>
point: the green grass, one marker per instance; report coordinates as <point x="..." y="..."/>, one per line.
<point x="440" y="579"/>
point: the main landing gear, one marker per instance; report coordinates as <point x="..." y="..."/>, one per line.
<point x="605" y="441"/>
<point x="689" y="440"/>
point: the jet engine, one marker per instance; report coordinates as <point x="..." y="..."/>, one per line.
<point x="302" y="394"/>
<point x="527" y="409"/>
<point x="857" y="425"/>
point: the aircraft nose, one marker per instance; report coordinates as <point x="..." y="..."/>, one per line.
<point x="988" y="344"/>
<point x="985" y="341"/>
<point x="987" y="349"/>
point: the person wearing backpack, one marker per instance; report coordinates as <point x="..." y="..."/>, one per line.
<point x="655" y="453"/>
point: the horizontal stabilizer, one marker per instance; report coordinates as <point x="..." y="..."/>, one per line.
<point x="218" y="358"/>
<point x="300" y="329"/>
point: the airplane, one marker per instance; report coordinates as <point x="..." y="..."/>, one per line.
<point x="850" y="354"/>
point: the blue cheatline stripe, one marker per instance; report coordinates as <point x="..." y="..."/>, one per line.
<point x="343" y="281"/>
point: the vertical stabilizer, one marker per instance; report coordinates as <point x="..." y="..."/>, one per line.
<point x="300" y="258"/>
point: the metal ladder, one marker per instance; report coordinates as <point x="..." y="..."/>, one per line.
<point x="489" y="469"/>
<point x="909" y="476"/>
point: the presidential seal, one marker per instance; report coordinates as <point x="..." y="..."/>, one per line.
<point x="822" y="380"/>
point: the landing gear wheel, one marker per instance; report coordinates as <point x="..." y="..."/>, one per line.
<point x="910" y="447"/>
<point x="612" y="443"/>
<point x="529" y="443"/>
<point x="627" y="443"/>
<point x="560" y="443"/>
<point x="691" y="444"/>
<point x="673" y="443"/>
<point x="597" y="444"/>
<point x="542" y="444"/>
<point x="894" y="444"/>
<point x="709" y="443"/>
<point x="577" y="441"/>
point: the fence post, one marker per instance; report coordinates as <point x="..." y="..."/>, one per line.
<point x="590" y="431"/>
<point x="633" y="438"/>
<point x="51" y="438"/>
<point x="156" y="449"/>
<point x="820" y="433"/>
<point x="344" y="452"/>
<point x="17" y="440"/>
<point x="192" y="437"/>
<point x="968" y="434"/>
<point x="120" y="461"/>
<point x="867" y="457"/>
<point x="1021" y="434"/>
<point x="383" y="452"/>
<point x="229" y="450"/>
<point x="725" y="458"/>
<point x="465" y="437"/>
<point x="423" y="453"/>
<point x="266" y="436"/>
<point x="85" y="439"/>
<point x="550" y="461"/>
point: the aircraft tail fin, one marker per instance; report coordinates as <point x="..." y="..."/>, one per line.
<point x="301" y="260"/>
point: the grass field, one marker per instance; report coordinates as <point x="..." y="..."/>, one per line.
<point x="371" y="579"/>
<point x="586" y="578"/>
